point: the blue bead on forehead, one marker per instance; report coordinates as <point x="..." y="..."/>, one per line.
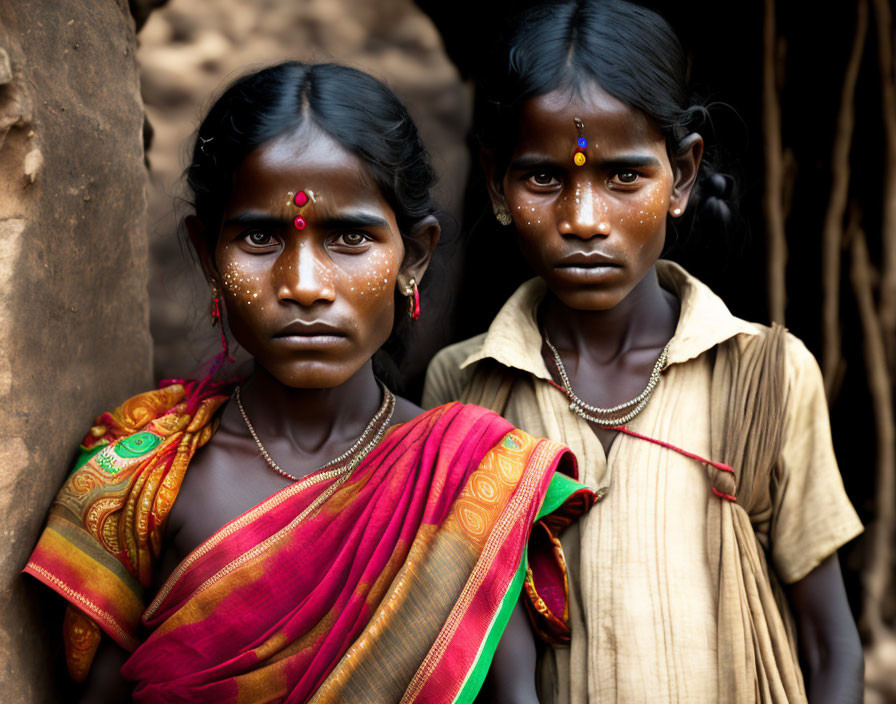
<point x="579" y="158"/>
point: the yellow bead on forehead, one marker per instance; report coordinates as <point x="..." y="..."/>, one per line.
<point x="579" y="158"/>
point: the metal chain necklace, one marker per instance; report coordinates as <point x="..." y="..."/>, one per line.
<point x="376" y="427"/>
<point x="593" y="413"/>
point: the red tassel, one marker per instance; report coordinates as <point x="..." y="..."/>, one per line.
<point x="216" y="319"/>
<point x="416" y="312"/>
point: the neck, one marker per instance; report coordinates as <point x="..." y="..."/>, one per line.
<point x="646" y="317"/>
<point x="310" y="418"/>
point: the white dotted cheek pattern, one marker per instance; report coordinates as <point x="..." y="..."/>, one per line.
<point x="527" y="210"/>
<point x="654" y="205"/>
<point x="377" y="275"/>
<point x="242" y="286"/>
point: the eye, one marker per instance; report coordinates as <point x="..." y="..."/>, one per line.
<point x="627" y="176"/>
<point x="352" y="239"/>
<point x="259" y="238"/>
<point x="542" y="179"/>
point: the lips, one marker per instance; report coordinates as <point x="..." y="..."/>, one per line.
<point x="300" y="328"/>
<point x="588" y="268"/>
<point x="587" y="260"/>
<point x="309" y="336"/>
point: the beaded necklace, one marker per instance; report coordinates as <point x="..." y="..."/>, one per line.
<point x="356" y="453"/>
<point x="592" y="413"/>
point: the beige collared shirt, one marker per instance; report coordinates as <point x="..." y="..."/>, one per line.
<point x="643" y="611"/>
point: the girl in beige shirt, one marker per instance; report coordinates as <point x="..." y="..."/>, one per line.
<point x="709" y="572"/>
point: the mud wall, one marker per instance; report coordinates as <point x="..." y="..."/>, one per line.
<point x="74" y="314"/>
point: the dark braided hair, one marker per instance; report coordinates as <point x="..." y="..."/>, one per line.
<point x="630" y="52"/>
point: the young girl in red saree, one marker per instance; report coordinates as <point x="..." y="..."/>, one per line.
<point x="304" y="535"/>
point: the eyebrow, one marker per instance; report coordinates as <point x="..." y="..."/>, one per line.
<point x="342" y="221"/>
<point x="525" y="163"/>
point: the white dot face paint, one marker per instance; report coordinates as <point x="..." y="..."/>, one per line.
<point x="312" y="305"/>
<point x="614" y="205"/>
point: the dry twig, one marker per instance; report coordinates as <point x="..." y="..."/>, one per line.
<point x="832" y="234"/>
<point x="884" y="24"/>
<point x="775" y="216"/>
<point x="879" y="569"/>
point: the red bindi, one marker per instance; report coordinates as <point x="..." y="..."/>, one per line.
<point x="300" y="223"/>
<point x="301" y="198"/>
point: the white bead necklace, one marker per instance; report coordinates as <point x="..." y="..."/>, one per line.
<point x="592" y="413"/>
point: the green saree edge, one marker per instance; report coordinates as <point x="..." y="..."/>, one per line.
<point x="559" y="491"/>
<point x="476" y="676"/>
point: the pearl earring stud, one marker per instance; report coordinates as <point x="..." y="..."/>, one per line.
<point x="676" y="212"/>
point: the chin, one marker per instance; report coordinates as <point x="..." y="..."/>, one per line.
<point x="589" y="301"/>
<point x="312" y="374"/>
<point x="588" y="298"/>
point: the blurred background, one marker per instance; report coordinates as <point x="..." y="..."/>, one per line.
<point x="803" y="110"/>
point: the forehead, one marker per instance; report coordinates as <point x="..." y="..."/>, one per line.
<point x="608" y="121"/>
<point x="306" y="159"/>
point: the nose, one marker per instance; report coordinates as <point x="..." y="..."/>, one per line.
<point x="304" y="275"/>
<point x="585" y="214"/>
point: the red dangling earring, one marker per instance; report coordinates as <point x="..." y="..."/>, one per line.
<point x="413" y="294"/>
<point x="218" y="320"/>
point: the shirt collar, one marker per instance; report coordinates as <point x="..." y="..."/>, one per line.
<point x="514" y="340"/>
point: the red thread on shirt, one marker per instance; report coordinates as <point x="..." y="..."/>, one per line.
<point x="721" y="466"/>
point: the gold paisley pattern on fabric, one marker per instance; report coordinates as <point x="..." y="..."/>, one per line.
<point x="121" y="496"/>
<point x="136" y="412"/>
<point x="491" y="485"/>
<point x="473" y="517"/>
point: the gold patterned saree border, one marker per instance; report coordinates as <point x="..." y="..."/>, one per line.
<point x="86" y="605"/>
<point x="540" y="458"/>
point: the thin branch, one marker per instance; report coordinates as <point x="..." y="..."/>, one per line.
<point x="879" y="567"/>
<point x="884" y="23"/>
<point x="832" y="234"/>
<point x="776" y="262"/>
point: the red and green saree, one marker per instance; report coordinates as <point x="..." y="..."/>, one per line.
<point x="388" y="582"/>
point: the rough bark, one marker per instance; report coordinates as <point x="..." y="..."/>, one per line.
<point x="74" y="336"/>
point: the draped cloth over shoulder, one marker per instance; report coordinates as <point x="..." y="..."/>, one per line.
<point x="757" y="644"/>
<point x="104" y="530"/>
<point x="391" y="581"/>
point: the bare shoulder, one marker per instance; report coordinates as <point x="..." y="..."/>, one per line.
<point x="405" y="410"/>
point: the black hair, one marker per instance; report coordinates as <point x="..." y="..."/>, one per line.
<point x="630" y="51"/>
<point x="355" y="109"/>
<point x="359" y="112"/>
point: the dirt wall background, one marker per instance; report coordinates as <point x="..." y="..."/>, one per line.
<point x="74" y="309"/>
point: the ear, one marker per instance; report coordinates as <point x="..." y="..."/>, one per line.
<point x="487" y="159"/>
<point x="419" y="246"/>
<point x="685" y="166"/>
<point x="196" y="230"/>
